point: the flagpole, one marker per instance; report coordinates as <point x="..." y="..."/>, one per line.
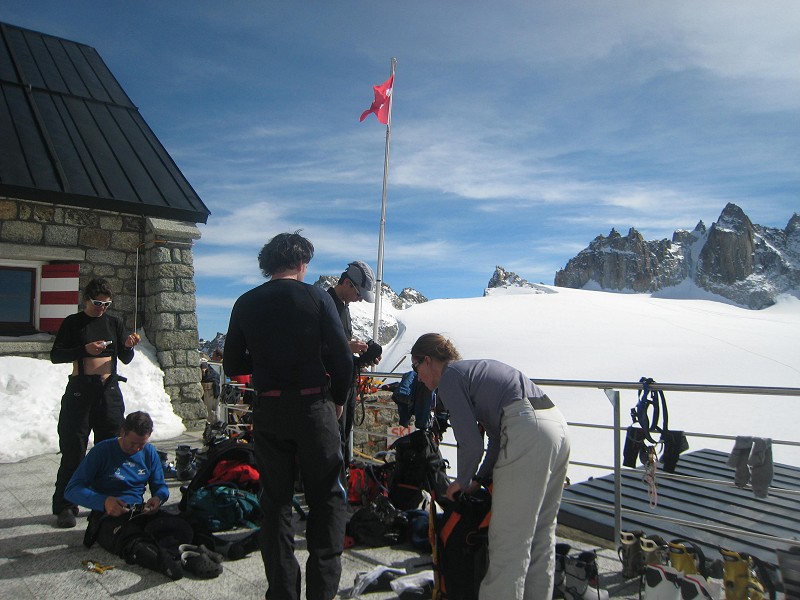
<point x="379" y="280"/>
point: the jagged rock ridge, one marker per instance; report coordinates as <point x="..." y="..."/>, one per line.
<point x="734" y="258"/>
<point x="508" y="279"/>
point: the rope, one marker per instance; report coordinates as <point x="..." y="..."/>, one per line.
<point x="649" y="476"/>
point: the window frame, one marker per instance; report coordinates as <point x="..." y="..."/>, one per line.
<point x="20" y="328"/>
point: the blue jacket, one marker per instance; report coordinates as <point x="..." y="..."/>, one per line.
<point x="108" y="471"/>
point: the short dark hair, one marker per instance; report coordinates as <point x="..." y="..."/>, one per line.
<point x="285" y="251"/>
<point x="97" y="287"/>
<point x="138" y="422"/>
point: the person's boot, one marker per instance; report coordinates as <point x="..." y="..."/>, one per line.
<point x="166" y="465"/>
<point x="184" y="463"/>
<point x="66" y="518"/>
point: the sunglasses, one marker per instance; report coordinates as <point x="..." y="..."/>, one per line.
<point x="101" y="303"/>
<point x="355" y="287"/>
<point x="415" y="365"/>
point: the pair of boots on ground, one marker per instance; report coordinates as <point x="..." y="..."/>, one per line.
<point x="752" y="459"/>
<point x="185" y="466"/>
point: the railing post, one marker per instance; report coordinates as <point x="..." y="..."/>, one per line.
<point x="613" y="397"/>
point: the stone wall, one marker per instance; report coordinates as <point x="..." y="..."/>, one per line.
<point x="380" y="413"/>
<point x="116" y="247"/>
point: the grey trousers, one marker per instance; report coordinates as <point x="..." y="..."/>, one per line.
<point x="528" y="482"/>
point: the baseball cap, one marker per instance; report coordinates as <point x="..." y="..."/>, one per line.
<point x="361" y="275"/>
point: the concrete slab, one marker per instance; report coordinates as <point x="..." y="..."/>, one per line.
<point x="39" y="561"/>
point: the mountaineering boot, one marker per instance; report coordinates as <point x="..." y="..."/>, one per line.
<point x="630" y="553"/>
<point x="166" y="466"/>
<point x="654" y="550"/>
<point x="741" y="581"/>
<point x="184" y="463"/>
<point x="683" y="558"/>
<point x="559" y="579"/>
<point x="582" y="580"/>
<point x="789" y="563"/>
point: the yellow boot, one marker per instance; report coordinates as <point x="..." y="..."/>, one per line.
<point x="741" y="582"/>
<point x="682" y="558"/>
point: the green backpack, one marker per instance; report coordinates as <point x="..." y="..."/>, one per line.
<point x="222" y="507"/>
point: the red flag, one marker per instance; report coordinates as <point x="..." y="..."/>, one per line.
<point x="383" y="96"/>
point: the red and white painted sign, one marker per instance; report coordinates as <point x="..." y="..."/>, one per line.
<point x="59" y="295"/>
<point x="396" y="431"/>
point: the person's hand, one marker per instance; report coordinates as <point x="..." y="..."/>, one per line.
<point x="95" y="348"/>
<point x="152" y="505"/>
<point x="132" y="340"/>
<point x="452" y="490"/>
<point x="357" y="346"/>
<point x="472" y="487"/>
<point x="339" y="411"/>
<point x="115" y="507"/>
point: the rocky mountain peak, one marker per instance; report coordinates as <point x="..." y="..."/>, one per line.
<point x="503" y="278"/>
<point x="793" y="226"/>
<point x="746" y="263"/>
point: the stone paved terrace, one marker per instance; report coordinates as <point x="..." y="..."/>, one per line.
<point x="39" y="561"/>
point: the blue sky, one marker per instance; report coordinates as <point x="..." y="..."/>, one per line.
<point x="520" y="130"/>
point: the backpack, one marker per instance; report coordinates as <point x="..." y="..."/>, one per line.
<point x="404" y="392"/>
<point x="366" y="481"/>
<point x="378" y="524"/>
<point x="223" y="507"/>
<point x="418" y="466"/>
<point x="462" y="546"/>
<point x="228" y="461"/>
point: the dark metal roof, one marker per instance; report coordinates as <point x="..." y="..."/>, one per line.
<point x="702" y="502"/>
<point x="70" y="135"/>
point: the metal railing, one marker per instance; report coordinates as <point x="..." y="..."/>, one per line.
<point x="612" y="392"/>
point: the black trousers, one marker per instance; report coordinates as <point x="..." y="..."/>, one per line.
<point x="88" y="404"/>
<point x="299" y="431"/>
<point x="121" y="535"/>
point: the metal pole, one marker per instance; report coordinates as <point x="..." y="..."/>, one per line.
<point x="613" y="396"/>
<point x="379" y="280"/>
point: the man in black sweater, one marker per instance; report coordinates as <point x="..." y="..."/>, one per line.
<point x="285" y="332"/>
<point x="92" y="341"/>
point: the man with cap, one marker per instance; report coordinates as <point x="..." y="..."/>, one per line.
<point x="355" y="284"/>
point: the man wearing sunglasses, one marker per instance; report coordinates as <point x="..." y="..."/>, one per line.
<point x="92" y="341"/>
<point x="357" y="283"/>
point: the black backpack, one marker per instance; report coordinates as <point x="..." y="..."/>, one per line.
<point x="418" y="466"/>
<point x="462" y="546"/>
<point x="378" y="524"/>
